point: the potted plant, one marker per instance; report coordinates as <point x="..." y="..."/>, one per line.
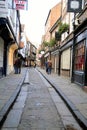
<point x="52" y="42"/>
<point x="63" y="28"/>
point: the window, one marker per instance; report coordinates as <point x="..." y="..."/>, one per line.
<point x="79" y="56"/>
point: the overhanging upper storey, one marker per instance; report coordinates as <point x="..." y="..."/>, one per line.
<point x="6" y="31"/>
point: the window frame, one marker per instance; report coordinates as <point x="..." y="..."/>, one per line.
<point x="79" y="56"/>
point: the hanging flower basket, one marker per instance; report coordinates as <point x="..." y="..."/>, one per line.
<point x="63" y="28"/>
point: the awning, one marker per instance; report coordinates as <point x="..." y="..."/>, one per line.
<point x="56" y="52"/>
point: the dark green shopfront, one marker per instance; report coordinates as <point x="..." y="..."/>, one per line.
<point x="80" y="55"/>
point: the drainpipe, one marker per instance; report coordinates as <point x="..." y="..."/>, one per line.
<point x="59" y="66"/>
<point x="73" y="51"/>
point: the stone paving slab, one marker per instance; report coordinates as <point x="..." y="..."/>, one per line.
<point x="14" y="116"/>
<point x="13" y="119"/>
<point x="9" y="88"/>
<point x="71" y="94"/>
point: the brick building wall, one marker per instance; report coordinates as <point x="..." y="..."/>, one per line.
<point x="53" y="16"/>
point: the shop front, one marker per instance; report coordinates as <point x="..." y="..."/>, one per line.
<point x="7" y="38"/>
<point x="66" y="62"/>
<point x="55" y="61"/>
<point x="80" y="55"/>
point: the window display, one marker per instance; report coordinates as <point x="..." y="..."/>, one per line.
<point x="79" y="56"/>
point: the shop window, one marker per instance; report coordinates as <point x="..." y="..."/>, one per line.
<point x="79" y="56"/>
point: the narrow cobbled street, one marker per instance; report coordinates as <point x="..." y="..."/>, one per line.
<point x="38" y="106"/>
<point x="39" y="112"/>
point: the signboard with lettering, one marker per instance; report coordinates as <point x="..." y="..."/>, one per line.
<point x="21" y="4"/>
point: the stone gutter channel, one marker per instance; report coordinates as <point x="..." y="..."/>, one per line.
<point x="7" y="107"/>
<point x="78" y="116"/>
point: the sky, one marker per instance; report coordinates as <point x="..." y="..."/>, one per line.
<point x="35" y="18"/>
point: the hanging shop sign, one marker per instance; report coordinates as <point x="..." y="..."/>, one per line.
<point x="21" y="4"/>
<point x="74" y="6"/>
